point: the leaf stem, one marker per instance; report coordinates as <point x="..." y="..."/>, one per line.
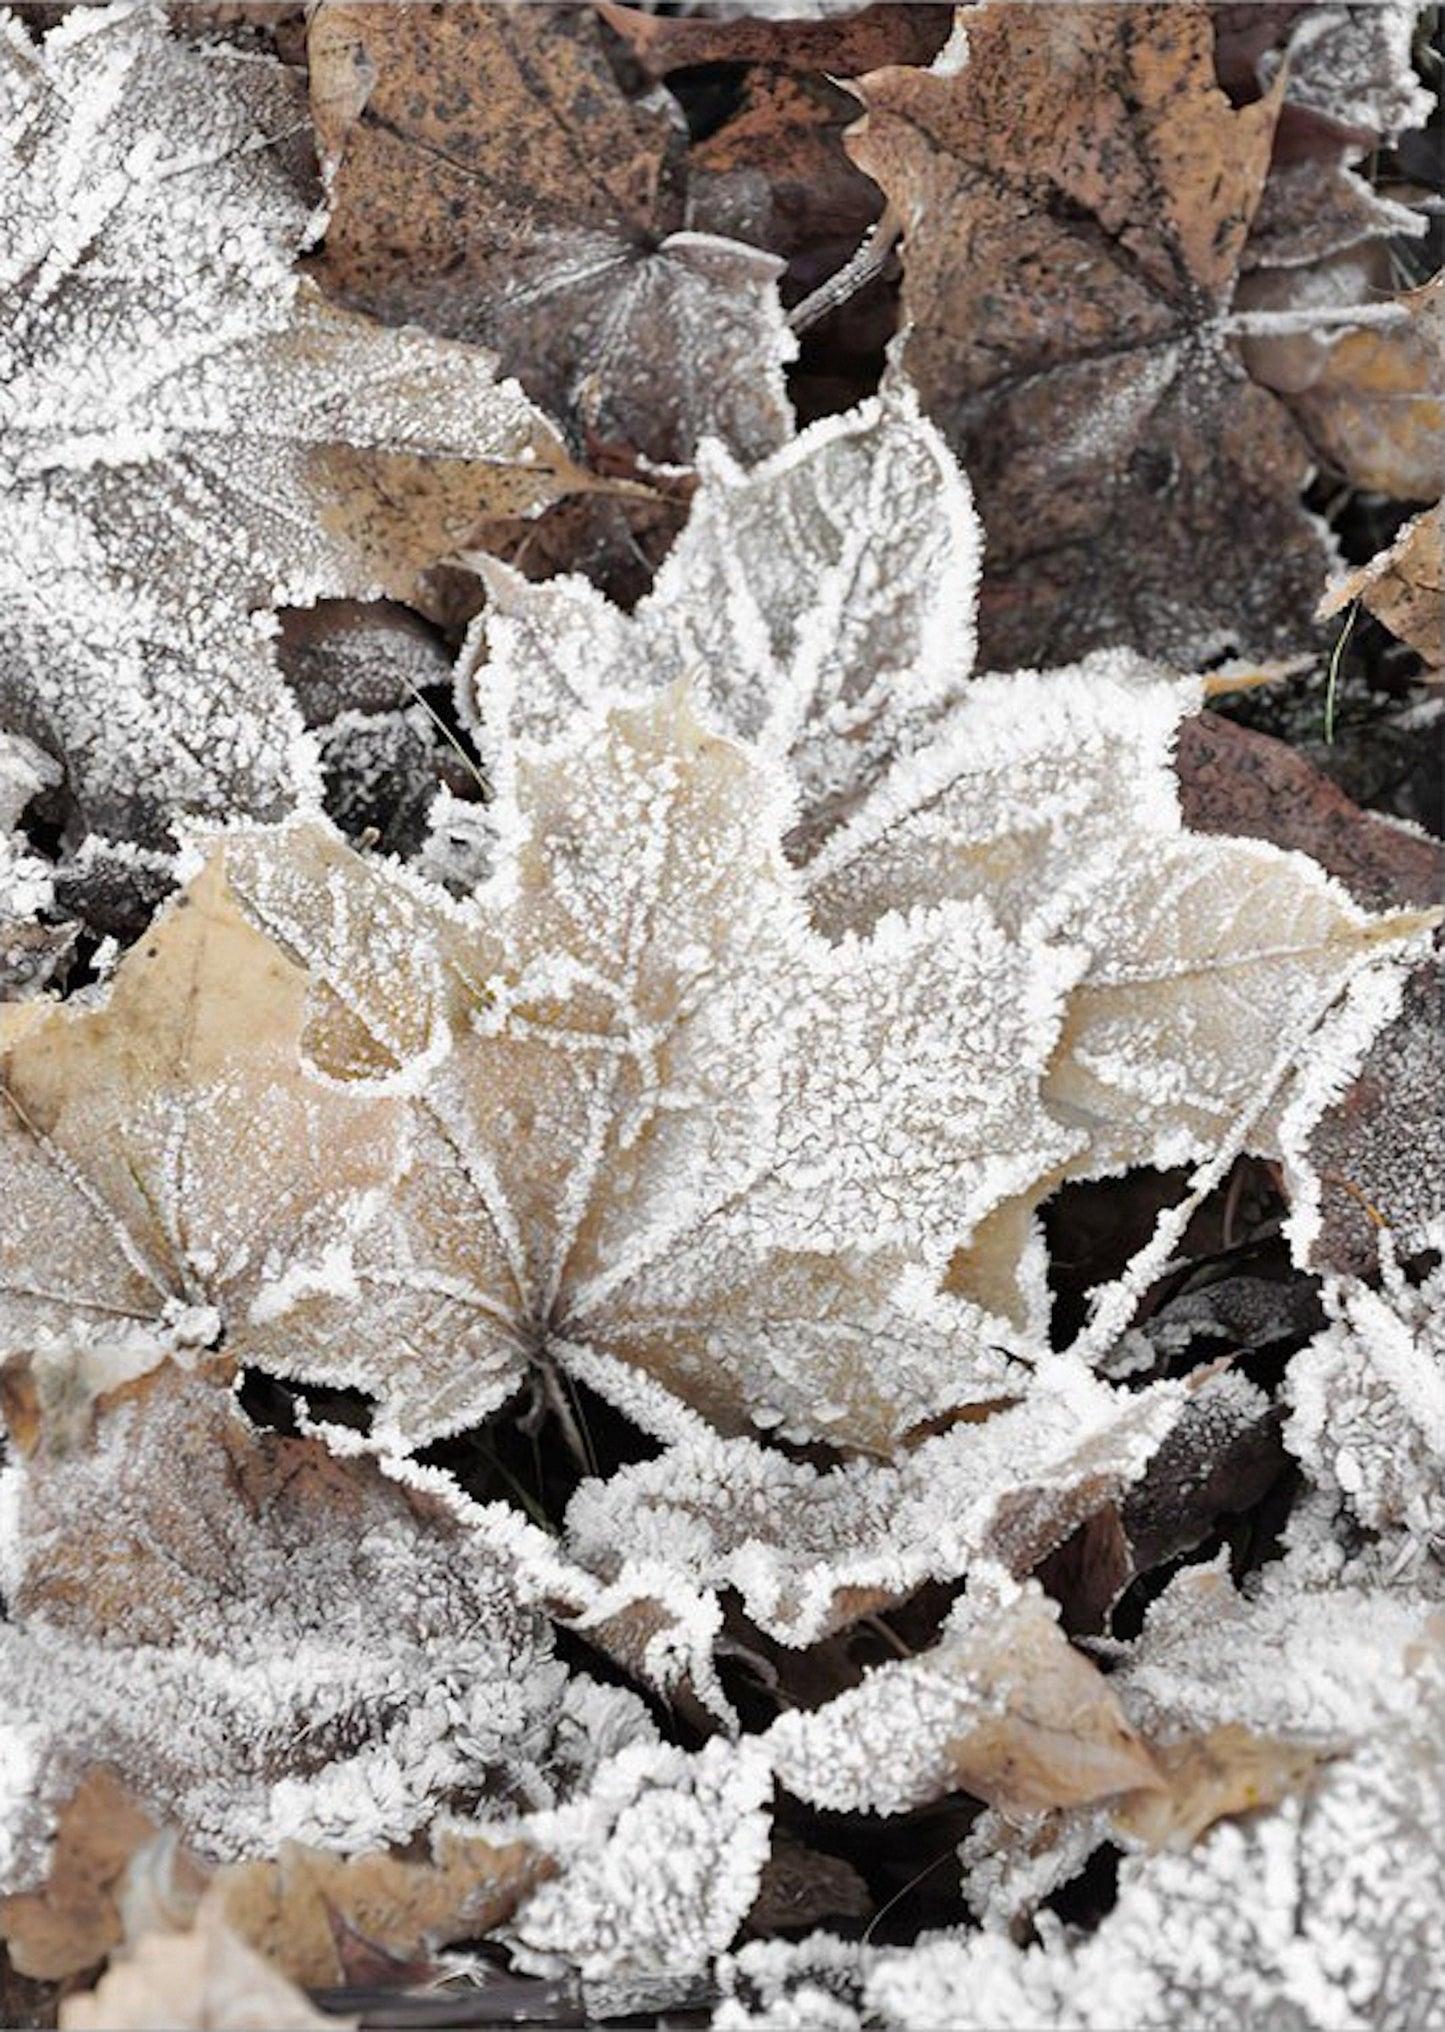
<point x="1332" y="683"/>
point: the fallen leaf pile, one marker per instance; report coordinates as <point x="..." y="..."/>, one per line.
<point x="721" y="1282"/>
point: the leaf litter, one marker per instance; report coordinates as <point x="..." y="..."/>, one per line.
<point x="545" y="1421"/>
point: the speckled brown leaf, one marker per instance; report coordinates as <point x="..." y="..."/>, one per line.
<point x="490" y="179"/>
<point x="1076" y="196"/>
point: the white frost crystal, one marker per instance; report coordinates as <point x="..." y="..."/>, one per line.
<point x="662" y="1860"/>
<point x="1368" y="1417"/>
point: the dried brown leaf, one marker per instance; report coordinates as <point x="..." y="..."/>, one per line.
<point x="1405" y="587"/>
<point x="1235" y="781"/>
<point x="1003" y="1708"/>
<point x="295" y="1909"/>
<point x="73" y="1921"/>
<point x="1371" y="399"/>
<point x="1076" y="197"/>
<point x="490" y="179"/>
<point x="1215" y="1775"/>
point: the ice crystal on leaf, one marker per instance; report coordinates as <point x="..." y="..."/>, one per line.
<point x="267" y="1642"/>
<point x="823" y="606"/>
<point x="665" y="1854"/>
<point x="629" y="1105"/>
<point x="189" y="433"/>
<point x="807" y="1549"/>
<point x="1368" y="1421"/>
<point x="1322" y="1913"/>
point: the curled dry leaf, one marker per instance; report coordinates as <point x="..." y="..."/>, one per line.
<point x="191" y="433"/>
<point x="1369" y="399"/>
<point x="1002" y="1707"/>
<point x="1405" y="587"/>
<point x="1076" y="193"/>
<point x="294" y="1909"/>
<point x="542" y="213"/>
<point x="1213" y="1776"/>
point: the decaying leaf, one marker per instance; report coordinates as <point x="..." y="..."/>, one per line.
<point x="541" y="213"/>
<point x="167" y="1157"/>
<point x="191" y="433"/>
<point x="633" y="1064"/>
<point x="1003" y="1707"/>
<point x="204" y="1980"/>
<point x="1404" y="587"/>
<point x="1076" y="193"/>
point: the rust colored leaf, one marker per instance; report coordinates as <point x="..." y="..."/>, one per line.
<point x="490" y="179"/>
<point x="1076" y="197"/>
<point x="1235" y="781"/>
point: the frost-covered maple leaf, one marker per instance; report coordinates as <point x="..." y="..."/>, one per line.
<point x="628" y="1113"/>
<point x="823" y="604"/>
<point x="189" y="434"/>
